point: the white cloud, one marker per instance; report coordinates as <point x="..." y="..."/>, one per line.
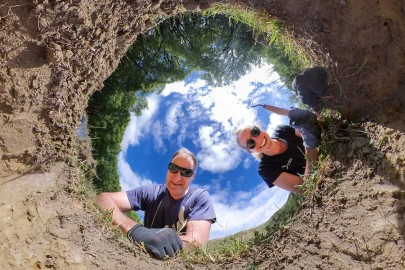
<point x="156" y="132"/>
<point x="128" y="179"/>
<point x="225" y="109"/>
<point x="247" y="162"/>
<point x="217" y="152"/>
<point x="181" y="87"/>
<point x="275" y="120"/>
<point x="138" y="126"/>
<point x="229" y="107"/>
<point x="172" y="118"/>
<point x="247" y="209"/>
<point x="176" y="87"/>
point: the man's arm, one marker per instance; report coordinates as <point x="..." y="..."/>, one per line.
<point x="159" y="242"/>
<point x="197" y="233"/>
<point x="118" y="203"/>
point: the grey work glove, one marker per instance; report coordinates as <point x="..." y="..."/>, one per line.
<point x="159" y="242"/>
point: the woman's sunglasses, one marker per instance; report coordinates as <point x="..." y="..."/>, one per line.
<point x="250" y="143"/>
<point x="173" y="168"/>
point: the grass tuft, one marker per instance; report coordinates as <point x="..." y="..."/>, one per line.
<point x="263" y="27"/>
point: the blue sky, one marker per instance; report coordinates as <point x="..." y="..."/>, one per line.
<point x="203" y="119"/>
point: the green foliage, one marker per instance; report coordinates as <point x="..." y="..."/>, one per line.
<point x="222" y="46"/>
<point x="108" y="116"/>
<point x="134" y="216"/>
<point x="287" y="58"/>
<point x="221" y="49"/>
<point x="226" y="249"/>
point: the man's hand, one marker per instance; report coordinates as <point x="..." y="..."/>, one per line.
<point x="158" y="242"/>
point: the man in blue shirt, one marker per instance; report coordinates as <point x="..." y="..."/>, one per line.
<point x="176" y="215"/>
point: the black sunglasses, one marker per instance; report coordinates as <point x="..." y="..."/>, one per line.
<point x="173" y="168"/>
<point x="250" y="143"/>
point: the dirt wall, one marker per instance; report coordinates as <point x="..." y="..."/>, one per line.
<point x="55" y="54"/>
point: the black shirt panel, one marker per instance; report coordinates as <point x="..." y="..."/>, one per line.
<point x="291" y="161"/>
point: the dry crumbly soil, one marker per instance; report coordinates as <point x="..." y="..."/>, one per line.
<point x="55" y="54"/>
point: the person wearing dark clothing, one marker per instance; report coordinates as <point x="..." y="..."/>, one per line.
<point x="291" y="161"/>
<point x="177" y="215"/>
<point x="284" y="159"/>
<point x="310" y="86"/>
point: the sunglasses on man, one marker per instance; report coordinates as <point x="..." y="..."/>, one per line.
<point x="250" y="143"/>
<point x="173" y="168"/>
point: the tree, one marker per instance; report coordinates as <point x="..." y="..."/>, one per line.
<point x="220" y="48"/>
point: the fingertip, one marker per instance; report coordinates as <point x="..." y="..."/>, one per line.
<point x="158" y="254"/>
<point x="170" y="251"/>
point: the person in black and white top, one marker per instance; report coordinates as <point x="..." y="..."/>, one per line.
<point x="288" y="154"/>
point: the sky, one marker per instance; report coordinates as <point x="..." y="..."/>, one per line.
<point x="203" y="119"/>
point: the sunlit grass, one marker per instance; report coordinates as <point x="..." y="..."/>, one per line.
<point x="237" y="246"/>
<point x="263" y="26"/>
<point x="226" y="249"/>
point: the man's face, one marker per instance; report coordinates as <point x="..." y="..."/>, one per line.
<point x="176" y="183"/>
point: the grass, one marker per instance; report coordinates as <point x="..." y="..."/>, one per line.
<point x="240" y="244"/>
<point x="82" y="187"/>
<point x="263" y="26"/>
<point x="227" y="249"/>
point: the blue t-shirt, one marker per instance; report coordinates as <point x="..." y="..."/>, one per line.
<point x="163" y="211"/>
<point x="291" y="160"/>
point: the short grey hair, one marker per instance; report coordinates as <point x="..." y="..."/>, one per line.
<point x="186" y="152"/>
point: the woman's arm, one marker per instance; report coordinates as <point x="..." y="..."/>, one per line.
<point x="276" y="110"/>
<point x="289" y="182"/>
<point x="311" y="156"/>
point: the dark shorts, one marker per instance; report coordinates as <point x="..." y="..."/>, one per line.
<point x="305" y="122"/>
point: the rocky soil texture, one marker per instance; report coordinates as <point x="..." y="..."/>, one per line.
<point x="55" y="54"/>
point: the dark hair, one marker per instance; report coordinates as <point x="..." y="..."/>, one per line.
<point x="187" y="152"/>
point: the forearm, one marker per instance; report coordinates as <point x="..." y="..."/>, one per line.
<point x="311" y="159"/>
<point x="189" y="242"/>
<point x="276" y="110"/>
<point x="197" y="234"/>
<point x="118" y="217"/>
